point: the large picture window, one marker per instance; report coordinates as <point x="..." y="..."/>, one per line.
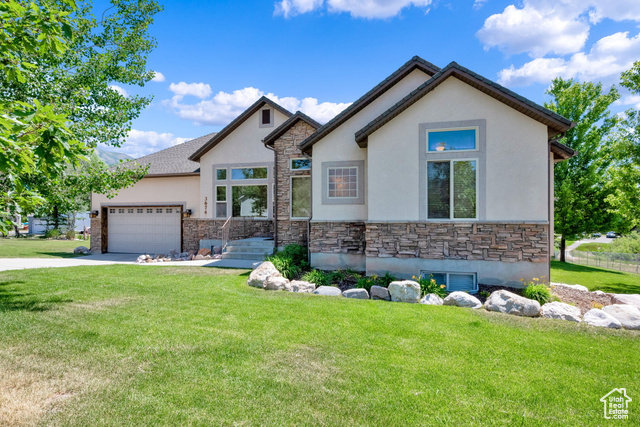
<point x="300" y="197"/>
<point x="452" y="189"/>
<point x="249" y="173"/>
<point x="452" y="140"/>
<point x="249" y="201"/>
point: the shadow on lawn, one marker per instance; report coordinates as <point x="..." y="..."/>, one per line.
<point x="60" y="254"/>
<point x="13" y="300"/>
<point x="613" y="286"/>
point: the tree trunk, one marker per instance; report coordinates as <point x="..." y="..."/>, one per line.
<point x="17" y="230"/>
<point x="563" y="246"/>
<point x="56" y="218"/>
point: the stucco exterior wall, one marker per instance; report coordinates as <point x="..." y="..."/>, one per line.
<point x="243" y="146"/>
<point x="177" y="190"/>
<point x="340" y="145"/>
<point x="516" y="157"/>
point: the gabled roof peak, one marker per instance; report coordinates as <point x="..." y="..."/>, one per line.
<point x="280" y="130"/>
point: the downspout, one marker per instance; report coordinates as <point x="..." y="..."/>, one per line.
<point x="311" y="210"/>
<point x="275" y="195"/>
<point x="552" y="239"/>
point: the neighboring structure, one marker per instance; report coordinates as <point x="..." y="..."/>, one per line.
<point x="436" y="171"/>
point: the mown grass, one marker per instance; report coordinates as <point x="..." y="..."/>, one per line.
<point x="131" y="345"/>
<point x="37" y="247"/>
<point x="593" y="247"/>
<point x="595" y="278"/>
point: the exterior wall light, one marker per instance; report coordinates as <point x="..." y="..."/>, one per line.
<point x="94" y="214"/>
<point x="187" y="213"/>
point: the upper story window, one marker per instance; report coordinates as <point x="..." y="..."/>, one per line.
<point x="249" y="173"/>
<point x="300" y="164"/>
<point x="266" y="117"/>
<point x="221" y="174"/>
<point x="452" y="140"/>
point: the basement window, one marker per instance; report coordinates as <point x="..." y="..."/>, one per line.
<point x="465" y="282"/>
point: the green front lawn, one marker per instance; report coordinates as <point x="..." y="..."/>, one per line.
<point x="593" y="247"/>
<point x="146" y="345"/>
<point x="37" y="247"/>
<point x="595" y="278"/>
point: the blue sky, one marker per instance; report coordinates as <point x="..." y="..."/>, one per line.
<point x="215" y="58"/>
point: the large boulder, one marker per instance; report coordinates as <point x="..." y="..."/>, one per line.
<point x="328" y="291"/>
<point x="302" y="286"/>
<point x="462" y="299"/>
<point x="627" y="315"/>
<point x="431" y="299"/>
<point x="380" y="292"/>
<point x="560" y="310"/>
<point x="277" y="283"/>
<point x="82" y="250"/>
<point x="356" y="294"/>
<point x="597" y="317"/>
<point x="404" y="291"/>
<point x="630" y="299"/>
<point x="507" y="302"/>
<point x="204" y="252"/>
<point x="262" y="273"/>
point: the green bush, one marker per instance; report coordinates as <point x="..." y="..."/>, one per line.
<point x="428" y="285"/>
<point x="539" y="293"/>
<point x="297" y="253"/>
<point x="385" y="280"/>
<point x="367" y="282"/>
<point x="70" y="234"/>
<point x="316" y="276"/>
<point x="285" y="265"/>
<point x="629" y="244"/>
<point x="52" y="233"/>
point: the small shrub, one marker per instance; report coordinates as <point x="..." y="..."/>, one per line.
<point x="337" y="276"/>
<point x="367" y="282"/>
<point x="285" y="265"/>
<point x="52" y="233"/>
<point x="297" y="253"/>
<point x="484" y="294"/>
<point x="70" y="235"/>
<point x="316" y="276"/>
<point x="428" y="285"/>
<point x="596" y="305"/>
<point x="537" y="292"/>
<point x="352" y="275"/>
<point x="385" y="280"/>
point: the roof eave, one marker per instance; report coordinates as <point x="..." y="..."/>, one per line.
<point x="283" y="128"/>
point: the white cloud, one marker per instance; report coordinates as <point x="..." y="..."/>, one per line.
<point x="140" y="143"/>
<point x="224" y="107"/>
<point x="607" y="58"/>
<point x="617" y="10"/>
<point x="633" y="100"/>
<point x="370" y="9"/>
<point x="122" y="91"/>
<point x="535" y="30"/>
<point x="199" y="90"/>
<point x="478" y="4"/>
<point x="158" y="77"/>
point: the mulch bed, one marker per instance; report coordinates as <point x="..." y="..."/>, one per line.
<point x="583" y="300"/>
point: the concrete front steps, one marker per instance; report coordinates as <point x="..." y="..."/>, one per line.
<point x="254" y="249"/>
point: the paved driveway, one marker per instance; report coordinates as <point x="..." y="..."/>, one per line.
<point x="109" y="258"/>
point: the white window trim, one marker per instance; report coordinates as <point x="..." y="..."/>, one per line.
<point x="476" y="128"/>
<point x="475" y="289"/>
<point x="451" y="181"/>
<point x="291" y="217"/>
<point x="299" y="169"/>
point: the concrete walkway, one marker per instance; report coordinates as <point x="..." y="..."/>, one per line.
<point x="110" y="258"/>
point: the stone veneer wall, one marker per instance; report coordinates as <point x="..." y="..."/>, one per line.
<point x="96" y="235"/>
<point x="337" y="237"/>
<point x="194" y="230"/>
<point x="506" y="242"/>
<point x="286" y="147"/>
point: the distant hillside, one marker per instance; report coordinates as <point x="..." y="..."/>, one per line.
<point x="111" y="157"/>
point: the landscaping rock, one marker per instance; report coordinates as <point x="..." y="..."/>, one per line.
<point x="302" y="286"/>
<point x="404" y="291"/>
<point x="198" y="257"/>
<point x="356" y="294"/>
<point x="82" y="250"/>
<point x="630" y="299"/>
<point x="596" y="317"/>
<point x="462" y="299"/>
<point x="142" y="258"/>
<point x="204" y="252"/>
<point x="277" y="283"/>
<point x="507" y="302"/>
<point x="432" y="299"/>
<point x="262" y="273"/>
<point x="328" y="291"/>
<point x="599" y="293"/>
<point x="380" y="293"/>
<point x="560" y="310"/>
<point x="576" y="287"/>
<point x="628" y="315"/>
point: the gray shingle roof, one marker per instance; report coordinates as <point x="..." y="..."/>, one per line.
<point x="173" y="160"/>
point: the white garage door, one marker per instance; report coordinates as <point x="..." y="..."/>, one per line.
<point x="144" y="230"/>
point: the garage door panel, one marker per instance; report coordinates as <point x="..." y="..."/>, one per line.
<point x="144" y="230"/>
